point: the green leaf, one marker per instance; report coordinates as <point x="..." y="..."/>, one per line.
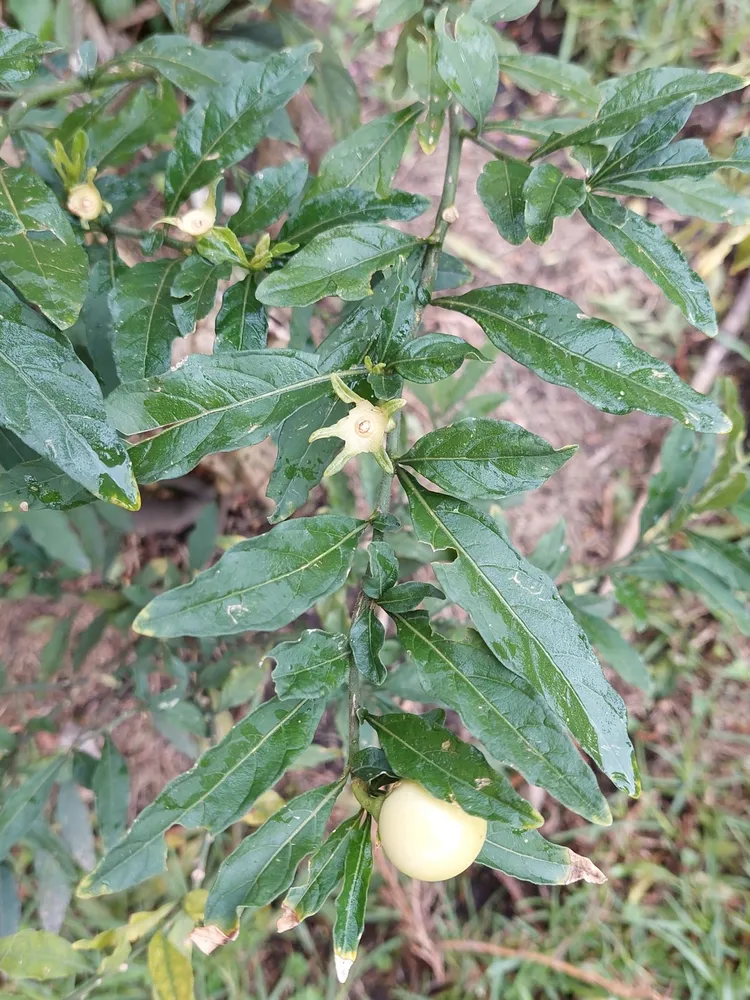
<point x="181" y="14"/>
<point x="351" y="905"/>
<point x="550" y="335"/>
<point x="39" y="484"/>
<point x="268" y="194"/>
<point x="325" y="871"/>
<point x="500" y="186"/>
<point x="648" y="248"/>
<point x="468" y="63"/>
<point x="645" y="138"/>
<point x="311" y="667"/>
<point x="171" y="971"/>
<point x="407" y="596"/>
<point x="193" y="294"/>
<point x="428" y="85"/>
<point x="151" y="111"/>
<point x="450" y="769"/>
<point x="724" y="559"/>
<point x="53" y="532"/>
<point x="54" y="890"/>
<point x="213" y="794"/>
<point x="551" y="554"/>
<point x="520" y="615"/>
<point x="54" y="404"/>
<point x="481" y="458"/>
<point x="143" y="324"/>
<point x="340" y="261"/>
<point x="526" y="855"/>
<point x="368" y="158"/>
<point x="23" y="805"/>
<point x="684" y="569"/>
<point x="613" y="649"/>
<point x="264" y="864"/>
<point x="687" y="158"/>
<point x="383" y="569"/>
<point x="262" y="583"/>
<point x="548" y="75"/>
<point x="504" y="711"/>
<point x="393" y="12"/>
<point x="633" y="97"/>
<point x="211" y="138"/>
<point x="501" y="10"/>
<point x="96" y="317"/>
<point x="39" y="253"/>
<point x="75" y="824"/>
<point x="111" y="785"/>
<point x="10" y="904"/>
<point x="39" y="955"/>
<point x="346" y="205"/>
<point x="213" y="403"/>
<point x="432" y="357"/>
<point x="20" y="55"/>
<point x="549" y="195"/>
<point x="196" y="70"/>
<point x="366" y="638"/>
<point x="242" y="323"/>
<point x="710" y="199"/>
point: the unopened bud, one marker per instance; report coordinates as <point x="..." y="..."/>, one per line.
<point x="85" y="201"/>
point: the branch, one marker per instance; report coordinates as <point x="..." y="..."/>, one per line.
<point x="611" y="986"/>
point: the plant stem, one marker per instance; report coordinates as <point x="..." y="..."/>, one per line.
<point x="489" y="147"/>
<point x="131" y="233"/>
<point x="446" y="215"/>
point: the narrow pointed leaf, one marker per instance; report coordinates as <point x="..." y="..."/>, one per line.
<point x="111" y="786"/>
<point x="213" y="794"/>
<point x="346" y="205"/>
<point x="525" y="854"/>
<point x="40" y="484"/>
<point x="432" y="357"/>
<point x="311" y="667"/>
<point x="10" y="904"/>
<point x="366" y="638"/>
<point x="450" y="769"/>
<point x="407" y="596"/>
<point x="549" y="195"/>
<point x="54" y="890"/>
<point x="325" y="871"/>
<point x="267" y="195"/>
<point x="242" y="323"/>
<point x="500" y="186"/>
<point x="264" y="864"/>
<point x="194" y="69"/>
<point x="545" y="74"/>
<point x="485" y="459"/>
<point x="147" y="114"/>
<point x="468" y="63"/>
<point x="503" y="710"/>
<point x="686" y="158"/>
<point x="520" y="615"/>
<point x="340" y="261"/>
<point x="74" y="821"/>
<point x="548" y="334"/>
<point x="170" y="970"/>
<point x="383" y="569"/>
<point x="262" y="583"/>
<point x="23" y="805"/>
<point x="143" y="324"/>
<point x="351" y="904"/>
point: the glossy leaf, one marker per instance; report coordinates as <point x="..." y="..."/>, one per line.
<point x="340" y="261"/>
<point x="74" y="821"/>
<point x="383" y="569"/>
<point x="368" y="158"/>
<point x="215" y="136"/>
<point x="40" y="484"/>
<point x="23" y="805"/>
<point x="637" y="95"/>
<point x="39" y="955"/>
<point x="262" y="583"/>
<point x="170" y="970"/>
<point x="313" y="666"/>
<point x="428" y="85"/>
<point x="213" y="403"/>
<point x="264" y="864"/>
<point x="54" y="404"/>
<point x="219" y="789"/>
<point x="143" y="324"/>
<point x="39" y="253"/>
<point x="647" y="247"/>
<point x="366" y="638"/>
<point x="504" y="712"/>
<point x="550" y="335"/>
<point x="196" y="70"/>
<point x="500" y="186"/>
<point x="520" y="615"/>
<point x="347" y="205"/>
<point x="536" y="73"/>
<point x="614" y="649"/>
<point x="242" y="322"/>
<point x="20" y="55"/>
<point x="468" y="63"/>
<point x="393" y="12"/>
<point x="450" y="769"/>
<point x="686" y="158"/>
<point x="111" y="786"/>
<point x="194" y="294"/>
<point x="526" y="855"/>
<point x="267" y="195"/>
<point x="432" y="357"/>
<point x="481" y="458"/>
<point x="351" y="904"/>
<point x="708" y="199"/>
<point x="549" y="195"/>
<point x="407" y="596"/>
<point x="325" y="871"/>
<point x="148" y="113"/>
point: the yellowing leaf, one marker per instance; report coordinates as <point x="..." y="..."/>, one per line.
<point x="171" y="971"/>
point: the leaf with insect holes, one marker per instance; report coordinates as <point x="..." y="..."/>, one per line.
<point x="550" y="335"/>
<point x="267" y="195"/>
<point x="340" y="261"/>
<point x="325" y="871"/>
<point x="450" y="769"/>
<point x="23" y="805"/>
<point x="647" y="247"/>
<point x="526" y="855"/>
<point x="500" y="186"/>
<point x="313" y="666"/>
<point x="263" y="866"/>
<point x="351" y="904"/>
<point x="219" y="789"/>
<point x="468" y="63"/>
<point x="485" y="459"/>
<point x="216" y="135"/>
<point x="262" y="583"/>
<point x="503" y="710"/>
<point x="520" y="615"/>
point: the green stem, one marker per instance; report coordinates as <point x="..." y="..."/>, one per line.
<point x="131" y="233"/>
<point x="489" y="147"/>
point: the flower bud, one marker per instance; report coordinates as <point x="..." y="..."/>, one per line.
<point x="85" y="201"/>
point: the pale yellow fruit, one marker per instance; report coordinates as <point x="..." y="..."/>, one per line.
<point x="427" y="838"/>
